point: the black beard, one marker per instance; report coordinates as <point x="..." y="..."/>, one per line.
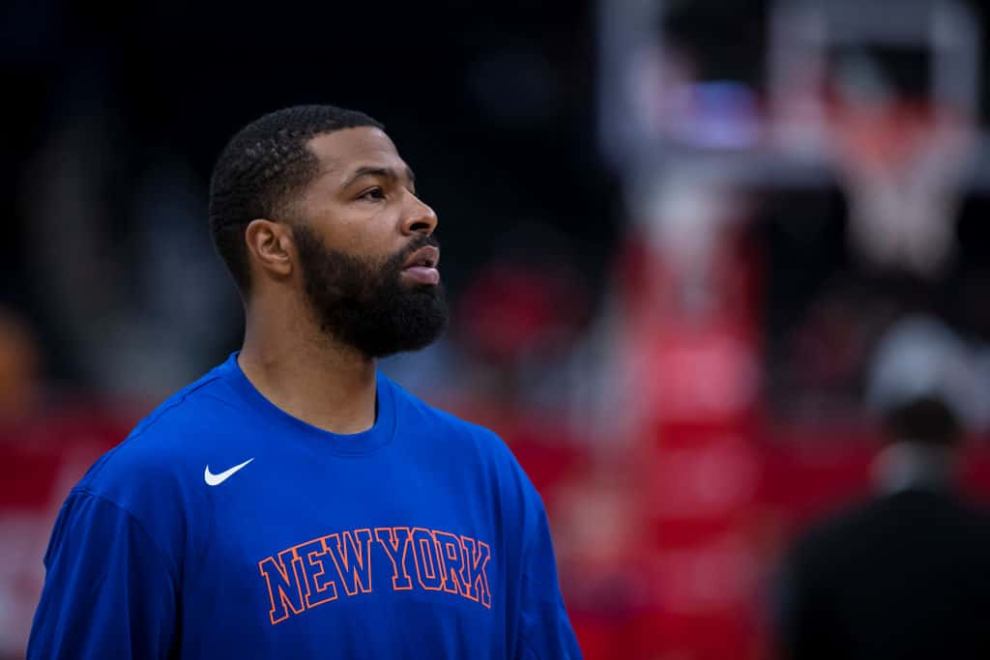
<point x="364" y="304"/>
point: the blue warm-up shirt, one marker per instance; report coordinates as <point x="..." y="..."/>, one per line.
<point x="225" y="528"/>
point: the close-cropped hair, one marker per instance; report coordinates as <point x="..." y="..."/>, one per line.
<point x="928" y="420"/>
<point x="262" y="168"/>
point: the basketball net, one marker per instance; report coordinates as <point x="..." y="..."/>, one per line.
<point x="901" y="165"/>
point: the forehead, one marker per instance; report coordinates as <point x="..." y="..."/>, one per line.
<point x="349" y="149"/>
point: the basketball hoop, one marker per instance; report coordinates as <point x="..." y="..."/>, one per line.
<point x="901" y="165"/>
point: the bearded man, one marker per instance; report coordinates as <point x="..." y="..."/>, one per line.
<point x="294" y="502"/>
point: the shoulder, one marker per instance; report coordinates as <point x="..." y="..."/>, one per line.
<point x="162" y="449"/>
<point x="447" y="434"/>
<point x="900" y="515"/>
<point x="412" y="410"/>
<point x="202" y="405"/>
<point x="839" y="524"/>
<point x="864" y="531"/>
<point x="817" y="543"/>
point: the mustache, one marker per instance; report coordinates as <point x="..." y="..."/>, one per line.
<point x="417" y="243"/>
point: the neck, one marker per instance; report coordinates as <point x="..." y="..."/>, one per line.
<point x="310" y="376"/>
<point x="912" y="465"/>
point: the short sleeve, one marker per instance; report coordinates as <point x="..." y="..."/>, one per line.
<point x="546" y="631"/>
<point x="108" y="592"/>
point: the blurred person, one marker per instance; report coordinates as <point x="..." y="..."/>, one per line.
<point x="20" y="387"/>
<point x="22" y="500"/>
<point x="48" y="437"/>
<point x="294" y="502"/>
<point x="127" y="335"/>
<point x="921" y="354"/>
<point x="905" y="575"/>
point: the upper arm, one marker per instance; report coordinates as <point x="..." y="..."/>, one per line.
<point x="546" y="630"/>
<point x="109" y="591"/>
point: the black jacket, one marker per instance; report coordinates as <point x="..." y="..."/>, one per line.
<point x="904" y="576"/>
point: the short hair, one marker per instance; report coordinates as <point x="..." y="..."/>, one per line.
<point x="925" y="419"/>
<point x="261" y="168"/>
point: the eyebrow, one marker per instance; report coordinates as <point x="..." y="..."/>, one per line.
<point x="384" y="172"/>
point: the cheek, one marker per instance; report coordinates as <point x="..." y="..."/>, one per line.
<point x="368" y="236"/>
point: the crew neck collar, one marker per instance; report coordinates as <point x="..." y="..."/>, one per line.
<point x="352" y="444"/>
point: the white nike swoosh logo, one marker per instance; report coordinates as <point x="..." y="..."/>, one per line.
<point x="217" y="479"/>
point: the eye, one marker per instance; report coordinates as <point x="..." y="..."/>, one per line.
<point x="373" y="194"/>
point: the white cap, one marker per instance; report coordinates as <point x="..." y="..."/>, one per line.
<point x="920" y="356"/>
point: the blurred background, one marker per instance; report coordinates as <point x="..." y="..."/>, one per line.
<point x="695" y="251"/>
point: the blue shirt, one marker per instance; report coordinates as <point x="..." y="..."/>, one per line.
<point x="223" y="527"/>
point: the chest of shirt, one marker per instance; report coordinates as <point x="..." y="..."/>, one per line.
<point x="336" y="543"/>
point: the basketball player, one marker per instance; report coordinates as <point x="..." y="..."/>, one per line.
<point x="294" y="502"/>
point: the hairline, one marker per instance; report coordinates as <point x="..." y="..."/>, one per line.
<point x="322" y="167"/>
<point x="315" y="168"/>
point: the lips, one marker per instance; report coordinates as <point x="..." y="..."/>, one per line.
<point x="427" y="256"/>
<point x="421" y="266"/>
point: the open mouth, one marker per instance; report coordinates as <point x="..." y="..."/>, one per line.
<point x="421" y="266"/>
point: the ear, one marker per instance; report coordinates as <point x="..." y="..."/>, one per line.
<point x="270" y="246"/>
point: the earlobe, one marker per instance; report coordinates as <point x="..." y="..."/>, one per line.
<point x="269" y="246"/>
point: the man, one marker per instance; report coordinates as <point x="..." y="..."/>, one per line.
<point x="293" y="502"/>
<point x="904" y="576"/>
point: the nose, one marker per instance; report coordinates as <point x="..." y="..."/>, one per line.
<point x="419" y="217"/>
